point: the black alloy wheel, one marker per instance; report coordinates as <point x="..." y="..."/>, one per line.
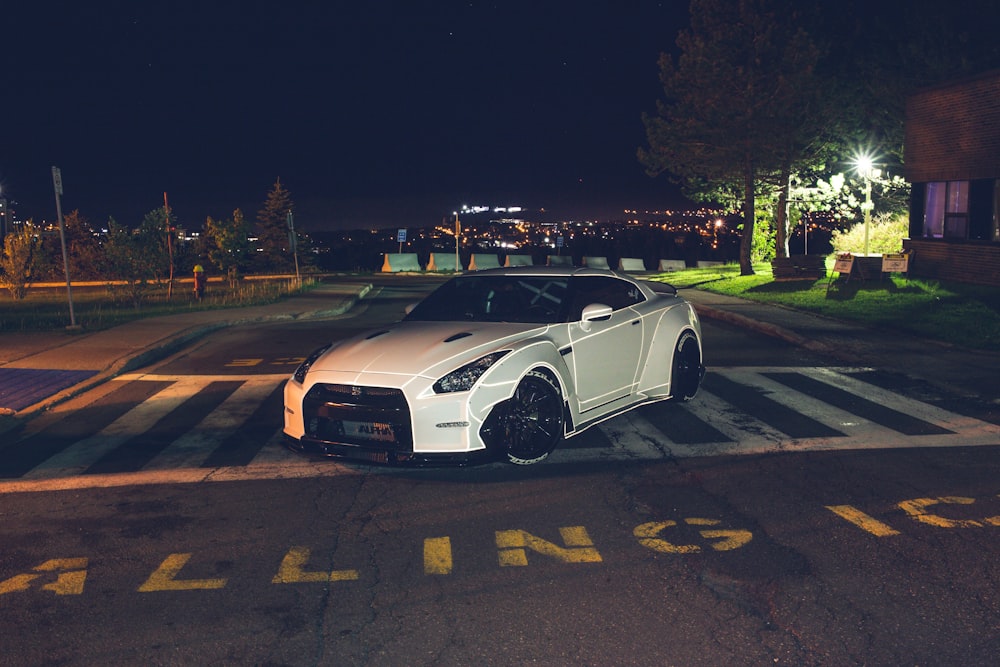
<point x="685" y="378"/>
<point x="533" y="423"/>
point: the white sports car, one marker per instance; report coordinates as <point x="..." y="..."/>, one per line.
<point x="496" y="364"/>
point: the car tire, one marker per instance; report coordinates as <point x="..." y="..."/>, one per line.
<point x="533" y="421"/>
<point x="687" y="369"/>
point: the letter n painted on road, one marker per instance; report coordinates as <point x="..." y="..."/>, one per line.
<point x="292" y="570"/>
<point x="513" y="546"/>
<point x="165" y="577"/>
<point x="70" y="576"/>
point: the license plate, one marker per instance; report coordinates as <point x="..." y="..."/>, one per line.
<point x="369" y="431"/>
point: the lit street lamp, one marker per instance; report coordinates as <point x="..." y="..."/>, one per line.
<point x="866" y="170"/>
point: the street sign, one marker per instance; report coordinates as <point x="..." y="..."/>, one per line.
<point x="401" y="236"/>
<point x="57" y="180"/>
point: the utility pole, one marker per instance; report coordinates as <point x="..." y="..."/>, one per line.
<point x="57" y="182"/>
<point x="170" y="246"/>
<point x="458" y="233"/>
<point x="294" y="245"/>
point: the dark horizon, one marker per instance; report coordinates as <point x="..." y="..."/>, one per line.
<point x="372" y="116"/>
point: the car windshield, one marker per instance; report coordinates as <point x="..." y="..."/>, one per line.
<point x="495" y="298"/>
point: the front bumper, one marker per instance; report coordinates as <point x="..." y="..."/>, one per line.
<point x="377" y="423"/>
<point x="387" y="456"/>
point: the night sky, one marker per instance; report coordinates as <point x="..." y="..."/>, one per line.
<point x="374" y="113"/>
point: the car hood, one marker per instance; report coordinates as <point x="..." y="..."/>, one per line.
<point x="417" y="348"/>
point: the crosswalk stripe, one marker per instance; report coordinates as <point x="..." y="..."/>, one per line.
<point x="946" y="420"/>
<point x="752" y="399"/>
<point x="638" y="438"/>
<point x="135" y="421"/>
<point x="205" y="379"/>
<point x="191" y="448"/>
<point x="141" y="449"/>
<point x="740" y="428"/>
<point x="231" y="422"/>
<point x="858" y="402"/>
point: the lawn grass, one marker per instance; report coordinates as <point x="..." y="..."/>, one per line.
<point x="97" y="308"/>
<point x="956" y="313"/>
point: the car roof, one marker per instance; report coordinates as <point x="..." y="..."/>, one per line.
<point x="551" y="271"/>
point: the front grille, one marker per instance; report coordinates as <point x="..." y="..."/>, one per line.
<point x="374" y="418"/>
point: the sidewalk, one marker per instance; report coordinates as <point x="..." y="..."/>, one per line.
<point x="39" y="369"/>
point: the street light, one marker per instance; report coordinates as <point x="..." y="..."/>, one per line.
<point x="865" y="169"/>
<point x="458" y="234"/>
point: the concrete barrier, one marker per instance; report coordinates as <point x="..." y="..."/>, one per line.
<point x="560" y="260"/>
<point x="518" y="260"/>
<point x="400" y="261"/>
<point x="596" y="262"/>
<point x="631" y="265"/>
<point x="447" y="262"/>
<point x="672" y="265"/>
<point x="480" y="261"/>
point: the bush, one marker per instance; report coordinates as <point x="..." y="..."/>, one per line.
<point x="885" y="235"/>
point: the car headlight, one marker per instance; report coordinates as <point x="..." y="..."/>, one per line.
<point x="462" y="379"/>
<point x="300" y="372"/>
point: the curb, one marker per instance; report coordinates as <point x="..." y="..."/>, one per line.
<point x="765" y="328"/>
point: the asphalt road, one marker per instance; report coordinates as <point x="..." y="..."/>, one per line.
<point x="877" y="555"/>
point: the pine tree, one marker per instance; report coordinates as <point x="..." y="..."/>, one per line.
<point x="272" y="229"/>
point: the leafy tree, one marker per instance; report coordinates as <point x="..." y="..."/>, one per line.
<point x="272" y="228"/>
<point x="885" y="235"/>
<point x="83" y="250"/>
<point x="742" y="80"/>
<point x="18" y="259"/>
<point x="228" y="244"/>
<point x="137" y="257"/>
<point x="844" y="197"/>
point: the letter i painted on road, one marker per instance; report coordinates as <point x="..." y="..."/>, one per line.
<point x="437" y="555"/>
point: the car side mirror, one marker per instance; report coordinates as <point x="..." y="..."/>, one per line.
<point x="409" y="308"/>
<point x="595" y="312"/>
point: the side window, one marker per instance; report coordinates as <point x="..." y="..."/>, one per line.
<point x="601" y="289"/>
<point x="946" y="209"/>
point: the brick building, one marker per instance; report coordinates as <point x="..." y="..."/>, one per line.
<point x="952" y="160"/>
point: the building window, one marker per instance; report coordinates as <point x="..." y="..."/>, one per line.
<point x="946" y="214"/>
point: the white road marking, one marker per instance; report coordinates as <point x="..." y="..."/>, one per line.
<point x="194" y="446"/>
<point x="632" y="436"/>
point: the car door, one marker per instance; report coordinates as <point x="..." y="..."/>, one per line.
<point x="605" y="354"/>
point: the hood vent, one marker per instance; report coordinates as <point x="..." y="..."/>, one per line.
<point x="457" y="336"/>
<point x="376" y="334"/>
